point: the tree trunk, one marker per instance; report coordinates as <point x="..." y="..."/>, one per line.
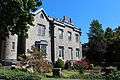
<point x="2" y="46"/>
<point x="21" y="48"/>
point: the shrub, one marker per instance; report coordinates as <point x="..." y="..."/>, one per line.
<point x="112" y="76"/>
<point x="71" y="74"/>
<point x="59" y="63"/>
<point x="82" y="64"/>
<point x="68" y="65"/>
<point x="8" y="74"/>
<point x="36" y="61"/>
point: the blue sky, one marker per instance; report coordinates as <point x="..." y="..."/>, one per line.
<point x="83" y="12"/>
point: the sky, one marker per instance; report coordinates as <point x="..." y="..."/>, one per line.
<point x="83" y="12"/>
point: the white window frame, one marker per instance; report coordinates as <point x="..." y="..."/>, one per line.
<point x="61" y="52"/>
<point x="43" y="47"/>
<point x="13" y="46"/>
<point x="77" y="37"/>
<point x="60" y="33"/>
<point x="77" y="53"/>
<point x="41" y="30"/>
<point x="69" y="36"/>
<point x="71" y="53"/>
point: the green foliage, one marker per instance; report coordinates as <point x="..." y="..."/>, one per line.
<point x="96" y="42"/>
<point x="103" y="46"/>
<point x="68" y="65"/>
<point x="112" y="76"/>
<point x="16" y="74"/>
<point x="96" y="31"/>
<point x="15" y="15"/>
<point x="71" y="74"/>
<point x="59" y="63"/>
<point x="108" y="35"/>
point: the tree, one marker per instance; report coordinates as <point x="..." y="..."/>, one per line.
<point x="108" y="35"/>
<point x="108" y="40"/>
<point x="96" y="42"/>
<point x="114" y="47"/>
<point x="16" y="17"/>
<point x="36" y="61"/>
<point x="103" y="47"/>
<point x="85" y="49"/>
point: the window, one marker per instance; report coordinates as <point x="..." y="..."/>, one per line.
<point x="77" y="37"/>
<point x="13" y="45"/>
<point x="41" y="30"/>
<point x="60" y="34"/>
<point x="77" y="53"/>
<point x="61" y="52"/>
<point x="71" y="52"/>
<point x="69" y="36"/>
<point x="43" y="48"/>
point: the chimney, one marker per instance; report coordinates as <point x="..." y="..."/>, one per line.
<point x="67" y="19"/>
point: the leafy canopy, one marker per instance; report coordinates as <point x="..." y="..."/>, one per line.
<point x="15" y="15"/>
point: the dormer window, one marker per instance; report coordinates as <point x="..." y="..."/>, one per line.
<point x="42" y="16"/>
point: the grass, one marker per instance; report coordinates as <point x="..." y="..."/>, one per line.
<point x="66" y="74"/>
<point x="16" y="74"/>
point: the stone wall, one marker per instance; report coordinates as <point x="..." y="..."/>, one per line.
<point x="9" y="48"/>
<point x="33" y="34"/>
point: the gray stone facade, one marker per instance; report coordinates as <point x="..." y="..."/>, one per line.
<point x="9" y="48"/>
<point x="57" y="38"/>
<point x="66" y="48"/>
<point x="38" y="37"/>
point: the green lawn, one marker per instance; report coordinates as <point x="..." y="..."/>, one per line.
<point x="58" y="79"/>
<point x="15" y="74"/>
<point x="66" y="74"/>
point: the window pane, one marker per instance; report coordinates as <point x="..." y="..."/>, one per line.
<point x="61" y="52"/>
<point x="13" y="45"/>
<point x="37" y="45"/>
<point x="77" y="37"/>
<point x="69" y="36"/>
<point x="41" y="30"/>
<point x="71" y="53"/>
<point x="60" y="33"/>
<point x="43" y="48"/>
<point x="77" y="53"/>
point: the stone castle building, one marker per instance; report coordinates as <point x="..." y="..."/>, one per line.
<point x="58" y="38"/>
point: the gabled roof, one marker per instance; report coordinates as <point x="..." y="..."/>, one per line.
<point x="40" y="10"/>
<point x="58" y="22"/>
